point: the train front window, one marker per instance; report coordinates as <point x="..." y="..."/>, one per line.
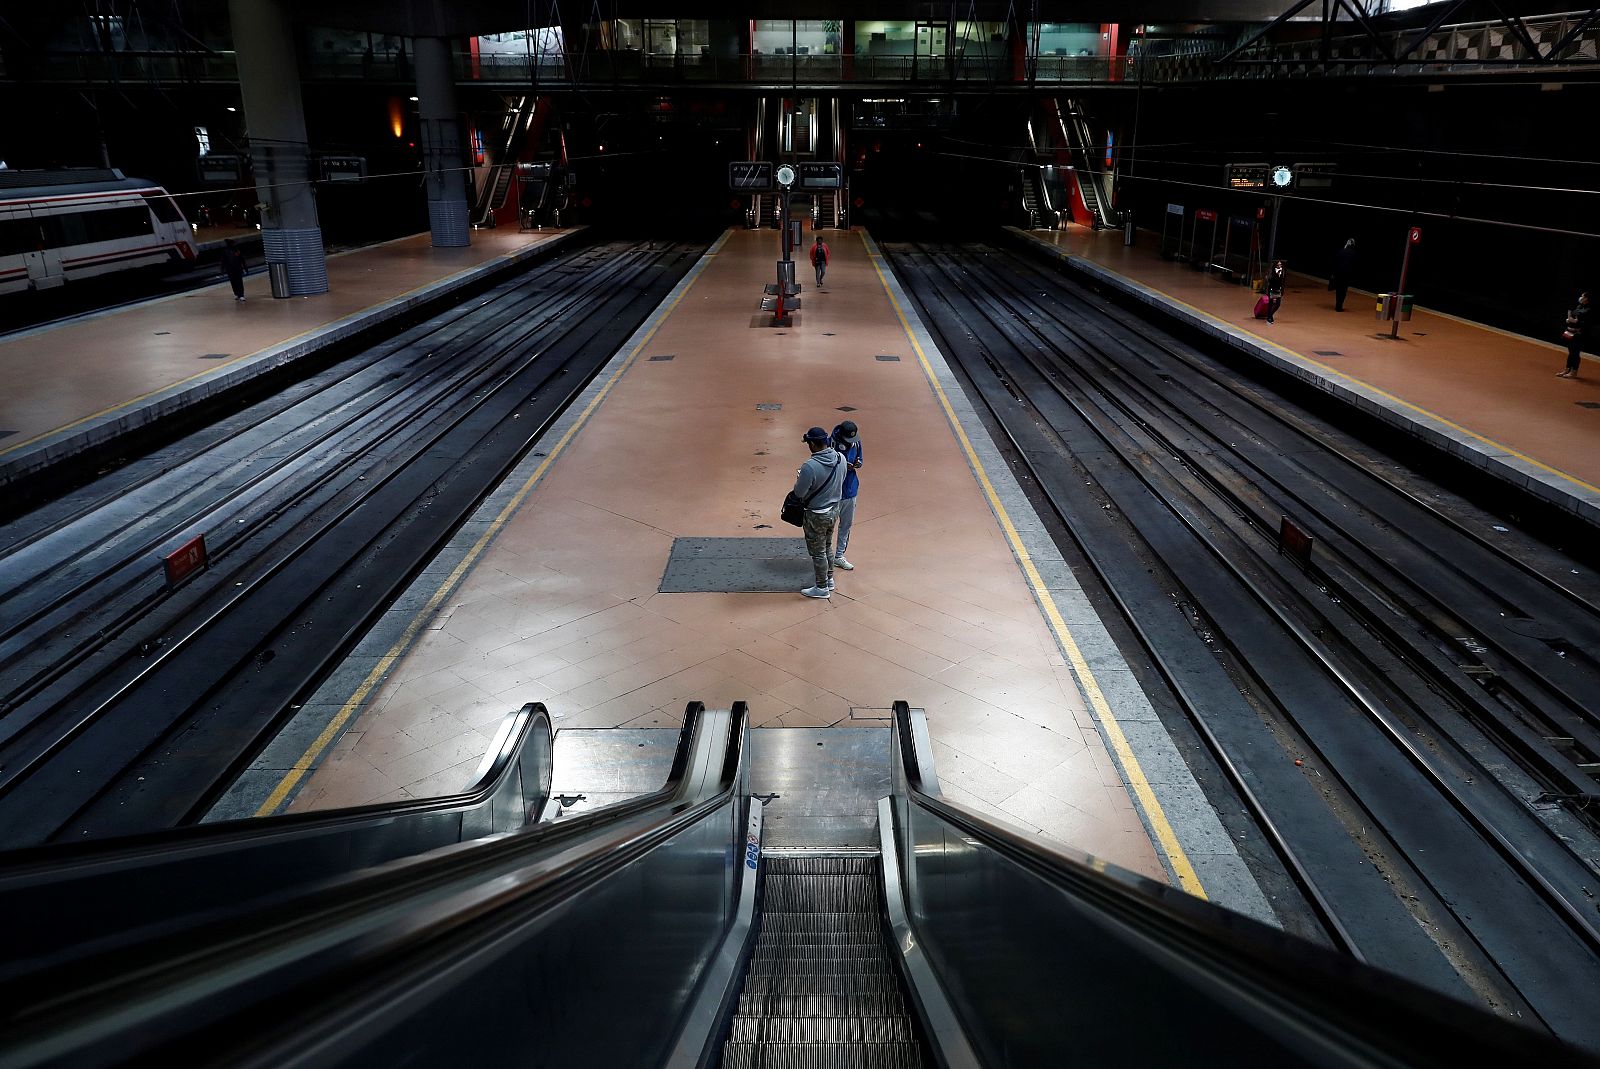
<point x="166" y="208"/>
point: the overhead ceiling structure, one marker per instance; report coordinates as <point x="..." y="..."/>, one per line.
<point x="451" y="18"/>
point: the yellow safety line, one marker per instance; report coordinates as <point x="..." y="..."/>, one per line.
<point x="314" y="752"/>
<point x="1188" y="879"/>
<point x="1336" y="373"/>
<point x="213" y="369"/>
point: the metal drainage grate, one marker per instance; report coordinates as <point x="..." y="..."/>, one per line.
<point x="665" y="356"/>
<point x="845" y="408"/>
<point x="1327" y="352"/>
<point x="1580" y="404"/>
<point x="214" y="356"/>
<point x="887" y="359"/>
<point x="736" y="565"/>
<point x="769" y="408"/>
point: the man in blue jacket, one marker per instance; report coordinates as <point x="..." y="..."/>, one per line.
<point x="818" y="483"/>
<point x="847" y="441"/>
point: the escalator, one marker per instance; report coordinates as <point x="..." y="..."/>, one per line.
<point x="791" y="898"/>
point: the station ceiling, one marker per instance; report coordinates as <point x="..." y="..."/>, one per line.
<point x="449" y="18"/>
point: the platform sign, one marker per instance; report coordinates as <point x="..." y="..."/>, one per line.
<point x="750" y="177"/>
<point x="221" y="168"/>
<point x="1174" y="209"/>
<point x="1205" y="215"/>
<point x="342" y="168"/>
<point x="821" y="175"/>
<point x="1314" y="175"/>
<point x="185" y="560"/>
<point x="1246" y="176"/>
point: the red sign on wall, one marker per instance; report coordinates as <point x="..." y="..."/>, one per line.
<point x="185" y="560"/>
<point x="1205" y="215"/>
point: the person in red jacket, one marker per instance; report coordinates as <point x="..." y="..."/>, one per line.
<point x="819" y="258"/>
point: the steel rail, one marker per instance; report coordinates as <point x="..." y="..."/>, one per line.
<point x="163" y="727"/>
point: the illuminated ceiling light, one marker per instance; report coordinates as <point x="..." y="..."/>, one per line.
<point x="232" y="108"/>
<point x="412" y="98"/>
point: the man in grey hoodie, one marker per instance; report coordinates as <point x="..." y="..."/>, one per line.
<point x="820" y="483"/>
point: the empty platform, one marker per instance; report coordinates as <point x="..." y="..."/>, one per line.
<point x="1485" y="395"/>
<point x="81" y="383"/>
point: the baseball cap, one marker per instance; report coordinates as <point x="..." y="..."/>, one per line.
<point x="847" y="432"/>
<point x="815" y="434"/>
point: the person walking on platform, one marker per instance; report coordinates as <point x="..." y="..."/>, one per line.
<point x="819" y="258"/>
<point x="1577" y="323"/>
<point x="1273" y="289"/>
<point x="1344" y="262"/>
<point x="847" y="440"/>
<point x="818" y="484"/>
<point x="233" y="267"/>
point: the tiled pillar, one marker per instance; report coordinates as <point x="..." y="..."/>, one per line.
<point x="269" y="81"/>
<point x="443" y="159"/>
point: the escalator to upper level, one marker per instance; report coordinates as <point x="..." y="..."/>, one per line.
<point x="790" y="897"/>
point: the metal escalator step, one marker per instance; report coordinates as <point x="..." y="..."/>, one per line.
<point x="821" y="894"/>
<point x="866" y="935"/>
<point x="774" y="1005"/>
<point x="774" y="920"/>
<point x="809" y="865"/>
<point x="778" y="1005"/>
<point x="821" y="1056"/>
<point x="855" y="954"/>
<point x="893" y="1029"/>
<point x="820" y="984"/>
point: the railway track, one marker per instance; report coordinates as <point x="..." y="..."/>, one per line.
<point x="1409" y="713"/>
<point x="126" y="706"/>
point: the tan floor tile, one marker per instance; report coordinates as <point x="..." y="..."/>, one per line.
<point x="760" y="675"/>
<point x="445" y="782"/>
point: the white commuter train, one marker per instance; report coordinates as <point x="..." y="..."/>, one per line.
<point x="56" y="226"/>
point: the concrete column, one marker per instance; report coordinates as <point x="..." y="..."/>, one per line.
<point x="269" y="79"/>
<point x="442" y="156"/>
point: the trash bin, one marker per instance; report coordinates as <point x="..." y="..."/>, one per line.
<point x="786" y="278"/>
<point x="279" y="274"/>
<point x="1127" y="227"/>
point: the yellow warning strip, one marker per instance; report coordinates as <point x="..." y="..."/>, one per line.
<point x="215" y="368"/>
<point x="314" y="752"/>
<point x="1182" y="867"/>
<point x="1499" y="447"/>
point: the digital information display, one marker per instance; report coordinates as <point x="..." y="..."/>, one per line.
<point x="821" y="175"/>
<point x="750" y="177"/>
<point x="343" y="168"/>
<point x="221" y="168"/>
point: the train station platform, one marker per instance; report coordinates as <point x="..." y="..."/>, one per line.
<point x="79" y="384"/>
<point x="557" y="590"/>
<point x="1482" y="394"/>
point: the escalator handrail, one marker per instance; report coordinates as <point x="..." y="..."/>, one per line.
<point x="1393" y="1014"/>
<point x="534" y="727"/>
<point x="355" y="934"/>
<point x="114" y="882"/>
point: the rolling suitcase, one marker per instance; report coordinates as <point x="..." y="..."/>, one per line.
<point x="1262" y="304"/>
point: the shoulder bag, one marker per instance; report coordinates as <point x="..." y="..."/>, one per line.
<point x="794" y="510"/>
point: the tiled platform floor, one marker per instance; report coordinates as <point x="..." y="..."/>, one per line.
<point x="1499" y="386"/>
<point x="564" y="606"/>
<point x="57" y="377"/>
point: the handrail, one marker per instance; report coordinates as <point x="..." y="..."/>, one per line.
<point x="120" y="890"/>
<point x="1278" y="982"/>
<point x="377" y="937"/>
